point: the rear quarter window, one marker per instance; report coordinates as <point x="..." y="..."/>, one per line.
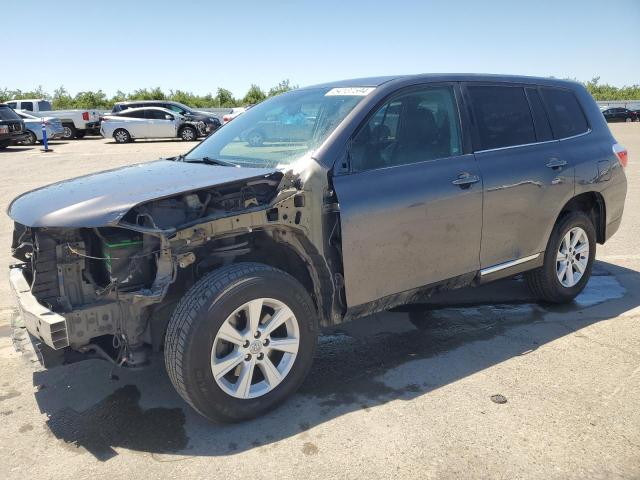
<point x="565" y="113"/>
<point x="502" y="115"/>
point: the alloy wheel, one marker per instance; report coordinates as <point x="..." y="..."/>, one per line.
<point x="572" y="257"/>
<point x="255" y="348"/>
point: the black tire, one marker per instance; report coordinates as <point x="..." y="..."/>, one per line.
<point x="121" y="136"/>
<point x="543" y="282"/>
<point x="31" y="140"/>
<point x="69" y="131"/>
<point x="80" y="133"/>
<point x="188" y="134"/>
<point x="3" y="145"/>
<point x="255" y="138"/>
<point x="200" y="314"/>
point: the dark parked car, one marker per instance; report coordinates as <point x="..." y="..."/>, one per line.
<point x="11" y="127"/>
<point x="210" y="123"/>
<point x="619" y="114"/>
<point x="230" y="258"/>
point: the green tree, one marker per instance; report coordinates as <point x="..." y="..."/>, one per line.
<point x="91" y="99"/>
<point x="254" y="95"/>
<point x="282" y="87"/>
<point x="224" y="98"/>
<point x="61" y="99"/>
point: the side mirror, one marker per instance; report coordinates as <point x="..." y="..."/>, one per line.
<point x="168" y="117"/>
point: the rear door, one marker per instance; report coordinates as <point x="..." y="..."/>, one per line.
<point x="526" y="177"/>
<point x="136" y="123"/>
<point x="411" y="205"/>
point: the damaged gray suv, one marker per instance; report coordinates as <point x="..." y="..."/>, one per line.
<point x="359" y="196"/>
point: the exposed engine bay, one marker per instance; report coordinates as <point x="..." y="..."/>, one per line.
<point x="116" y="286"/>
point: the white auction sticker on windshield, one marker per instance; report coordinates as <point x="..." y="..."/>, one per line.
<point x="351" y="91"/>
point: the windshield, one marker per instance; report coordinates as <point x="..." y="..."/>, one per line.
<point x="280" y="130"/>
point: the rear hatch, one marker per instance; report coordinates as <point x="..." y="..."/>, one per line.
<point x="11" y="124"/>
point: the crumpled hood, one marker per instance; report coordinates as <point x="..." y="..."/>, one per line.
<point x="103" y="198"/>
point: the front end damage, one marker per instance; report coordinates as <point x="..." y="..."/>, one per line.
<point x="111" y="289"/>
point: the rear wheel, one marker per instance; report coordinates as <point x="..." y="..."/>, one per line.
<point x="241" y="341"/>
<point x="568" y="260"/>
<point x="31" y="138"/>
<point x="629" y="120"/>
<point x="121" y="136"/>
<point x="256" y="138"/>
<point x="188" y="134"/>
<point x="69" y="131"/>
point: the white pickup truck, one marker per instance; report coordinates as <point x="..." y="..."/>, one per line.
<point x="76" y="123"/>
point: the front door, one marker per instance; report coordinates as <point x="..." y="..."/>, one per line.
<point x="411" y="206"/>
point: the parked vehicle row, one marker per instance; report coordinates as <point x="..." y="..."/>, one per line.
<point x="33" y="126"/>
<point x="149" y="122"/>
<point x="619" y="114"/>
<point x="12" y="129"/>
<point x="207" y="122"/>
<point x="76" y="123"/>
<point x="230" y="258"/>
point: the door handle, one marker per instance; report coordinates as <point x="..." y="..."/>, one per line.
<point x="556" y="163"/>
<point x="465" y="180"/>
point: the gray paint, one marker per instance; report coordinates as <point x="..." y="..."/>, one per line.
<point x="104" y="198"/>
<point x="407" y="226"/>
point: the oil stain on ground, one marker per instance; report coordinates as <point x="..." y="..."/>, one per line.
<point x="119" y="421"/>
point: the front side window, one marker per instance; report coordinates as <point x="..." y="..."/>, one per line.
<point x="26" y="106"/>
<point x="281" y="130"/>
<point x="175" y="108"/>
<point x="412" y="127"/>
<point x="502" y="115"/>
<point x="12" y="104"/>
<point x="565" y="113"/>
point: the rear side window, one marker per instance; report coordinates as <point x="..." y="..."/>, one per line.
<point x="502" y="116"/>
<point x="566" y="115"/>
<point x="26" y="106"/>
<point x="43" y="106"/>
<point x="540" y="119"/>
<point x="134" y="114"/>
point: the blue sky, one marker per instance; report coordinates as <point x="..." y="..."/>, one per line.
<point x="202" y="45"/>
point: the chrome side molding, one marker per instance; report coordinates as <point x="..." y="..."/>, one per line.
<point x="511" y="263"/>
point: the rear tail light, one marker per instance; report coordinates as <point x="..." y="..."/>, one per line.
<point x="621" y="153"/>
<point x="225" y="118"/>
<point x="85" y="116"/>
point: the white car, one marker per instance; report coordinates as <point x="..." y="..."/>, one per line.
<point x="147" y="122"/>
<point x="233" y="114"/>
<point x="33" y="125"/>
<point x="76" y="123"/>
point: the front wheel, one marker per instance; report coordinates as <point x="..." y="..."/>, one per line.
<point x="568" y="260"/>
<point x="241" y="341"/>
